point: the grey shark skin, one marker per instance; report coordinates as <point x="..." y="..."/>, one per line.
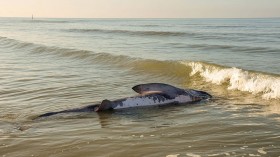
<point x="151" y="94"/>
<point x="155" y="94"/>
<point x="158" y="88"/>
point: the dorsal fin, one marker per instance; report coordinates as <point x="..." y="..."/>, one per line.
<point x="105" y="105"/>
<point x="158" y="88"/>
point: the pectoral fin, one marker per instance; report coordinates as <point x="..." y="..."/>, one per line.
<point x="105" y="105"/>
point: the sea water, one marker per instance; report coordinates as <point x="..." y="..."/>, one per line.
<point x="56" y="64"/>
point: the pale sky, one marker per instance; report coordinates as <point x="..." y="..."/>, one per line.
<point x="140" y="8"/>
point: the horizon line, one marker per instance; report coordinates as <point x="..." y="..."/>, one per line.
<point x="42" y="17"/>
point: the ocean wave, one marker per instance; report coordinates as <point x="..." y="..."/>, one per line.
<point x="146" y="25"/>
<point x="226" y="26"/>
<point x="47" y="21"/>
<point x="257" y="83"/>
<point x="238" y="79"/>
<point x="129" y="32"/>
<point x="189" y="34"/>
<point x="65" y="52"/>
<point x="233" y="48"/>
<point x="266" y="85"/>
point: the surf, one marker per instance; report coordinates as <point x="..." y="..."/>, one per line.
<point x="267" y="85"/>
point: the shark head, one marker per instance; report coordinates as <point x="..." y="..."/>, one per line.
<point x="200" y="94"/>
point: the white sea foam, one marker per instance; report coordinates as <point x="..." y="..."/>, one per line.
<point x="261" y="150"/>
<point x="192" y="155"/>
<point x="238" y="79"/>
<point x="172" y="155"/>
<point x="254" y="155"/>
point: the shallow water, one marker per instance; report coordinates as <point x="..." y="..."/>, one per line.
<point x="56" y="64"/>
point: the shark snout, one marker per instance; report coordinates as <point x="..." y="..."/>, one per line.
<point x="201" y="94"/>
<point x="204" y="94"/>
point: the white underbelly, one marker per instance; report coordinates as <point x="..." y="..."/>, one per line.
<point x="149" y="101"/>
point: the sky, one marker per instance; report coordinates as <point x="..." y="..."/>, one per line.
<point x="140" y="8"/>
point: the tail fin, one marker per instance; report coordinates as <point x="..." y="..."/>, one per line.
<point x="49" y="114"/>
<point x="89" y="108"/>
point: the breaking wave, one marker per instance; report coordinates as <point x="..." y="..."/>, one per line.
<point x="264" y="84"/>
<point x="238" y="79"/>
